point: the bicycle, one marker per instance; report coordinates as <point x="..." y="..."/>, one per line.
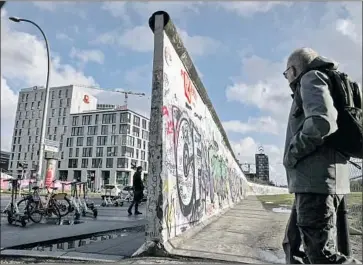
<point x="35" y="206"/>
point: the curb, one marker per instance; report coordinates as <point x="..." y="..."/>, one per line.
<point x="60" y="255"/>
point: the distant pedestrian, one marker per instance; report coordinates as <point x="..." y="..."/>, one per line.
<point x="138" y="187"/>
<point x="316" y="172"/>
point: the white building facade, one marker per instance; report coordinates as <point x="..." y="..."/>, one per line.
<point x="102" y="146"/>
<point x="71" y="111"/>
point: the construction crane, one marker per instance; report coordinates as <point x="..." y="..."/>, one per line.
<point x="127" y="93"/>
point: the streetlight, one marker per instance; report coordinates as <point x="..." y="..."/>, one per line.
<point x="45" y="109"/>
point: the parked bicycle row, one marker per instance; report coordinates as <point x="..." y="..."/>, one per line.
<point x="55" y="205"/>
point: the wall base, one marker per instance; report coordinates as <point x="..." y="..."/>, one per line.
<point x="153" y="249"/>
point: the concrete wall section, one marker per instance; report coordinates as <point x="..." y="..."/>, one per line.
<point x="257" y="189"/>
<point x="193" y="171"/>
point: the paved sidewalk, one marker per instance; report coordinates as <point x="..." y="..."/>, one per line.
<point x="247" y="233"/>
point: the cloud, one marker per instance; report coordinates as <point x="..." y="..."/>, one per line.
<point x="69" y="7"/>
<point x="86" y="56"/>
<point x="259" y="125"/>
<point x="249" y="8"/>
<point x="63" y="36"/>
<point x="141" y="39"/>
<point x="24" y="59"/>
<point x="9" y="101"/>
<point x="175" y="9"/>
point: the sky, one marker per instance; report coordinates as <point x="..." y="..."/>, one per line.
<point x="238" y="48"/>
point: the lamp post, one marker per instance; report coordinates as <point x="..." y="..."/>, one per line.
<point x="45" y="107"/>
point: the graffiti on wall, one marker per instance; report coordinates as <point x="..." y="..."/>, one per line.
<point x="200" y="176"/>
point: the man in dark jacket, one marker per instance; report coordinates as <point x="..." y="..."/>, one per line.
<point x="317" y="174"/>
<point x="138" y="186"/>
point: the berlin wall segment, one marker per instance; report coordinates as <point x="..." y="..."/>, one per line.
<point x="197" y="174"/>
<point x="193" y="172"/>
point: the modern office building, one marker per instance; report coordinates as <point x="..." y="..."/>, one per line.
<point x="102" y="145"/>
<point x="4" y="161"/>
<point x="262" y="167"/>
<point x="71" y="113"/>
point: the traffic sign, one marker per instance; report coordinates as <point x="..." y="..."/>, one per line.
<point x="51" y="143"/>
<point x="50" y="148"/>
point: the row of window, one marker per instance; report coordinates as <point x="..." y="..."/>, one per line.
<point x="103" y="140"/>
<point x="25" y="96"/>
<point x="109" y="151"/>
<point x="38" y="114"/>
<point x="37" y="104"/>
<point x="98" y="163"/>
<point x="109" y="118"/>
<point x="107" y="129"/>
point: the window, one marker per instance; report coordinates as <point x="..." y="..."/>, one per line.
<point x="127" y="151"/>
<point x="29" y="131"/>
<point x="70" y="152"/>
<point x="96" y="162"/>
<point x="87" y="152"/>
<point x="60" y="112"/>
<point x="52" y="103"/>
<point x="32" y="106"/>
<point x="69" y="142"/>
<point x="96" y="119"/>
<point x="77" y="152"/>
<point x="59" y="121"/>
<point x="112" y="151"/>
<point x="55" y="130"/>
<point x="124" y="129"/>
<point x="60" y="103"/>
<point x="109" y="162"/>
<point x="64" y="111"/>
<point x="92" y="130"/>
<point x="139" y="143"/>
<point x="130" y="140"/>
<point x="75" y="120"/>
<point x="42" y="96"/>
<point x="99" y="151"/>
<point x="77" y="131"/>
<point x="125" y="117"/>
<point x="36" y="138"/>
<point x="113" y="130"/>
<point x="36" y="123"/>
<point x="53" y="96"/>
<point x="25" y="106"/>
<point x="38" y="105"/>
<point x="104" y="129"/>
<point x="137" y="153"/>
<point x="101" y="140"/>
<point x="143" y="123"/>
<point x="144" y="145"/>
<point x="68" y="102"/>
<point x="86" y="120"/>
<point x="142" y="155"/>
<point x="60" y="93"/>
<point x="145" y="135"/>
<point x="72" y="163"/>
<point x="65" y="129"/>
<point x="49" y="121"/>
<point x="114" y="139"/>
<point x="136" y="121"/>
<point x="135" y="131"/>
<point x="79" y="141"/>
<point x="53" y="112"/>
<point x="109" y="118"/>
<point x="89" y="141"/>
<point x="84" y="163"/>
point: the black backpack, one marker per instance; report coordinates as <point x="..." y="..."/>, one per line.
<point x="348" y="101"/>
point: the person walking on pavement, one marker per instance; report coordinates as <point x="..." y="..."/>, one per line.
<point x="317" y="174"/>
<point x="138" y="186"/>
